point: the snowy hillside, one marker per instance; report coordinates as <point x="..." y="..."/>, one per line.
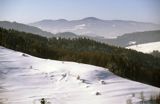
<point x="26" y="79"/>
<point x="146" y="48"/>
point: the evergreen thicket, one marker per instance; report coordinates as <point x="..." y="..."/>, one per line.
<point x="155" y="53"/>
<point x="123" y="62"/>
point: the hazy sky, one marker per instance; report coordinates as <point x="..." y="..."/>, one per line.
<point x="27" y="11"/>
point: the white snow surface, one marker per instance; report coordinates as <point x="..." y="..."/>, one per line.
<point x="26" y="79"/>
<point x="146" y="48"/>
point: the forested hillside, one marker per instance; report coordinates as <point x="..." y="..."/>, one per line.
<point x="124" y="62"/>
<point x="138" y="38"/>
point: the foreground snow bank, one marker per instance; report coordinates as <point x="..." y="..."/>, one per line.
<point x="26" y="79"/>
<point x="146" y="48"/>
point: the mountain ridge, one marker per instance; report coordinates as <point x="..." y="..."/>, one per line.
<point x="92" y="26"/>
<point x="123" y="40"/>
<point x="24" y="28"/>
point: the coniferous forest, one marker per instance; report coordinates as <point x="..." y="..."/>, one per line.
<point x="123" y="62"/>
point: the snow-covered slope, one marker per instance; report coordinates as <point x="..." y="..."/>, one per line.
<point x="146" y="48"/>
<point x="26" y="79"/>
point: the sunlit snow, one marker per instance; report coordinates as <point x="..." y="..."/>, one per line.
<point x="146" y="48"/>
<point x="26" y="79"/>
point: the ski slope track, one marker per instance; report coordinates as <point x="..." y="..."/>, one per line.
<point x="25" y="79"/>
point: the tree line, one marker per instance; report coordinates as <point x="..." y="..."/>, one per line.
<point x="123" y="62"/>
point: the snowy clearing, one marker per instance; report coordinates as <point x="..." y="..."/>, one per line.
<point x="146" y="48"/>
<point x="26" y="79"/>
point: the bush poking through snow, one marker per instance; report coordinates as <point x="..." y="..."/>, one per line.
<point x="98" y="93"/>
<point x="142" y="97"/>
<point x="87" y="86"/>
<point x="24" y="55"/>
<point x="78" y="77"/>
<point x="43" y="101"/>
<point x="129" y="101"/>
<point x="158" y="99"/>
<point x="133" y="95"/>
<point x="83" y="81"/>
<point x="155" y="99"/>
<point x="103" y="82"/>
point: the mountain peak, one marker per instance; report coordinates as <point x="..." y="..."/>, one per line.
<point x="90" y="18"/>
<point x="50" y="20"/>
<point x="46" y="20"/>
<point x="62" y="20"/>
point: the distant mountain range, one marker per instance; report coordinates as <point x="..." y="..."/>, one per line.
<point x="92" y="26"/>
<point x="123" y="40"/>
<point x="24" y="28"/>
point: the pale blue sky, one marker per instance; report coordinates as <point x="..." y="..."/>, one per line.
<point x="27" y="11"/>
